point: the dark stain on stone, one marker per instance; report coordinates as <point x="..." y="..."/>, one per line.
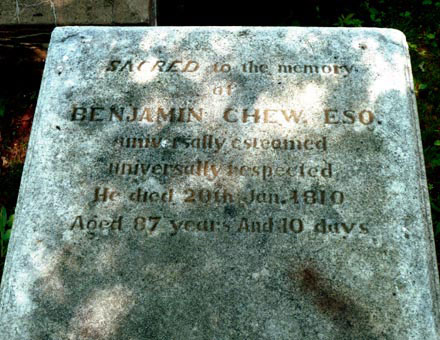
<point x="230" y="210"/>
<point x="351" y="319"/>
<point x="326" y="299"/>
<point x="89" y="333"/>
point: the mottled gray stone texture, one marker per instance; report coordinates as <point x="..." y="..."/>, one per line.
<point x="76" y="12"/>
<point x="223" y="183"/>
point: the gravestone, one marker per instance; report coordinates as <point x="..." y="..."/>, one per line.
<point x="223" y="183"/>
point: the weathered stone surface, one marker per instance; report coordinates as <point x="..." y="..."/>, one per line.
<point x="76" y="12"/>
<point x="286" y="196"/>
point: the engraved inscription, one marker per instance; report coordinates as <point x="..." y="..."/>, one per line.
<point x="208" y="175"/>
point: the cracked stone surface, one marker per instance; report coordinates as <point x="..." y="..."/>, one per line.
<point x="201" y="183"/>
<point x="75" y="12"/>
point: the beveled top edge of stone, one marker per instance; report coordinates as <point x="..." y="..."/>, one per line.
<point x="395" y="34"/>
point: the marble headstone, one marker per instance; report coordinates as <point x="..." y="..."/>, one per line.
<point x="223" y="183"/>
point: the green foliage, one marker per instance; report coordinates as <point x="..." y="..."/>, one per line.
<point x="433" y="154"/>
<point x="5" y="230"/>
<point x="405" y="14"/>
<point x="436" y="209"/>
<point x="429" y="2"/>
<point x="374" y="14"/>
<point x="348" y="20"/>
